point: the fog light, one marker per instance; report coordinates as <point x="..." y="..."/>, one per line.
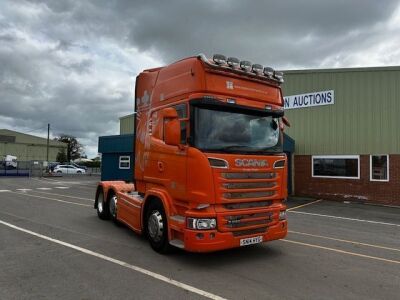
<point x="201" y="224"/>
<point x="282" y="215"/>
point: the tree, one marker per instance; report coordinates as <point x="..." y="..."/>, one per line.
<point x="74" y="148"/>
<point x="61" y="156"/>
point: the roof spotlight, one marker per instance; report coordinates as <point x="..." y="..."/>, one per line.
<point x="257" y="68"/>
<point x="233" y="62"/>
<point x="278" y="75"/>
<point x="245" y="65"/>
<point x="219" y="59"/>
<point x="268" y="71"/>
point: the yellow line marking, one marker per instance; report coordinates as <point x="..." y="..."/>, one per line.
<point x="52" y="199"/>
<point x="342" y="251"/>
<point x="344" y="241"/>
<point x="121" y="263"/>
<point x="296" y="207"/>
<point x="73" y="197"/>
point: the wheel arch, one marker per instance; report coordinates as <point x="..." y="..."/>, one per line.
<point x="154" y="195"/>
<point x="111" y="187"/>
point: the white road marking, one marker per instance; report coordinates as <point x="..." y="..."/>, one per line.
<point x="342" y="251"/>
<point x="119" y="262"/>
<point x="61" y="187"/>
<point x="343" y="241"/>
<point x="344" y="218"/>
<point x="52" y="199"/>
<point x="296" y="207"/>
<point x="73" y="197"/>
<point x="44" y="189"/>
<point x="3" y="191"/>
<point x="24" y="190"/>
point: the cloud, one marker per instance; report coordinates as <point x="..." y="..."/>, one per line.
<point x="72" y="63"/>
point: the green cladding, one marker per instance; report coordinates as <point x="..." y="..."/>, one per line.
<point x="363" y="120"/>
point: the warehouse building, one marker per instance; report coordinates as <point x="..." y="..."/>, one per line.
<point x="28" y="147"/>
<point x="345" y="123"/>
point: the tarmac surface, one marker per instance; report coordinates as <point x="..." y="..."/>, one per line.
<point x="53" y="246"/>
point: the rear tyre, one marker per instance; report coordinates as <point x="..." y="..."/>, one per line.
<point x="157" y="227"/>
<point x="79" y="172"/>
<point x="102" y="207"/>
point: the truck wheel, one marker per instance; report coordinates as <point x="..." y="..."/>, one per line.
<point x="157" y="227"/>
<point x="102" y="207"/>
<point x="112" y="206"/>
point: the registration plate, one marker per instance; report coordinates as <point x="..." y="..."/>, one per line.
<point x="250" y="241"/>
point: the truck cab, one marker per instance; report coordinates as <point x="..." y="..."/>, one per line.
<point x="209" y="170"/>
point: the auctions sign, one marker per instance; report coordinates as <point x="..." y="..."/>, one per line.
<point x="310" y="99"/>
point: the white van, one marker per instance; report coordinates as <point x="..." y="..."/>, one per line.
<point x="10" y="162"/>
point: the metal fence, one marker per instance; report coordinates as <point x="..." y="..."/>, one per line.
<point x="34" y="169"/>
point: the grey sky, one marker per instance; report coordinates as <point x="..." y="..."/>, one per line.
<point x="72" y="63"/>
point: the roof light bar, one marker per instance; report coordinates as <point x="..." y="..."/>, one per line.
<point x="233" y="62"/>
<point x="257" y="68"/>
<point x="219" y="59"/>
<point x="245" y="65"/>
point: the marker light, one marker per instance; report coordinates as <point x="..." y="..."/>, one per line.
<point x="219" y="59"/>
<point x="268" y="107"/>
<point x="268" y="71"/>
<point x="257" y="68"/>
<point x="233" y="62"/>
<point x="231" y="101"/>
<point x="278" y="75"/>
<point x="245" y="65"/>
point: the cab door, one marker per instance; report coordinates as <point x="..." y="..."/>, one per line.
<point x="166" y="164"/>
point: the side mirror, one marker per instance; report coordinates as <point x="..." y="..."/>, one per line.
<point x="172" y="131"/>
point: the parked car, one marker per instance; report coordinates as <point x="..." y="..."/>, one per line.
<point x="52" y="165"/>
<point x="79" y="166"/>
<point x="68" y="169"/>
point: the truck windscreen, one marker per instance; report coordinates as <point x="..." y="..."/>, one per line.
<point x="235" y="132"/>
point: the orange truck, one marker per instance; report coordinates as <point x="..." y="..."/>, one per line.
<point x="209" y="169"/>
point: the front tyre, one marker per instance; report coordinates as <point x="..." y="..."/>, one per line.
<point x="112" y="207"/>
<point x="102" y="207"/>
<point x="157" y="227"/>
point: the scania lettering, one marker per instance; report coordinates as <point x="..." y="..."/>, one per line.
<point x="209" y="169"/>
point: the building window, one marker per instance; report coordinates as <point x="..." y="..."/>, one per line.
<point x="124" y="162"/>
<point x="379" y="167"/>
<point x="336" y="166"/>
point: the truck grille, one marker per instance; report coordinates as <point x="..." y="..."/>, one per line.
<point x="263" y="175"/>
<point x="246" y="201"/>
<point x="245" y="205"/>
<point x="248" y="185"/>
<point x="251" y="186"/>
<point x="242" y="222"/>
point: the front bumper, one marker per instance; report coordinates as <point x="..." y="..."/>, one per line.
<point x="214" y="240"/>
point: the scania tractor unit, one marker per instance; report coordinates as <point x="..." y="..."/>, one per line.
<point x="209" y="168"/>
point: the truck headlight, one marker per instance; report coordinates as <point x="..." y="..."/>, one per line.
<point x="282" y="215"/>
<point x="201" y="224"/>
